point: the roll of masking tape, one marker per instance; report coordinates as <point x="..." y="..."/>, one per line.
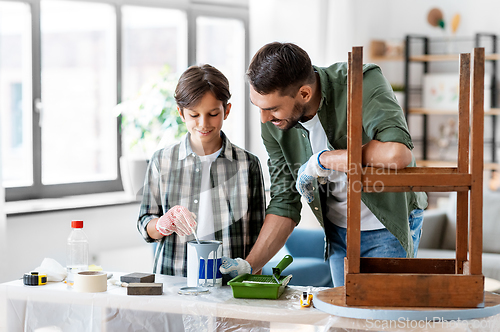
<point x="90" y="282"/>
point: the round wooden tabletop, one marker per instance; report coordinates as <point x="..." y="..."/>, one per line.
<point x="332" y="301"/>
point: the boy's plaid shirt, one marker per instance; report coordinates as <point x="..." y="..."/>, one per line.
<point x="238" y="202"/>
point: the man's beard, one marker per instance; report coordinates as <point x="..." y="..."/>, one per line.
<point x="297" y="115"/>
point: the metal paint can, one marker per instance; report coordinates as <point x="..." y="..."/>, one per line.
<point x="203" y="262"/>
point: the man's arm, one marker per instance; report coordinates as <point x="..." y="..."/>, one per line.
<point x="257" y="205"/>
<point x="375" y="153"/>
<point x="272" y="237"/>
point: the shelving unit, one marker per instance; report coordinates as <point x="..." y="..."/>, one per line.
<point x="427" y="54"/>
<point x="386" y="58"/>
<point x="447" y="57"/>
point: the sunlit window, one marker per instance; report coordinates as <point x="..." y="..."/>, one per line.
<point x="15" y="94"/>
<point x="221" y="43"/>
<point x="67" y="67"/>
<point x="152" y="39"/>
<point x="154" y="54"/>
<point x="78" y="91"/>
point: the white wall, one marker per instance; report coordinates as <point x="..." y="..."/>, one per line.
<point x="3" y="242"/>
<point x="397" y="18"/>
<point x="115" y="244"/>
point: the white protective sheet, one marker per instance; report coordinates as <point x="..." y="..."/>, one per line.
<point x="56" y="307"/>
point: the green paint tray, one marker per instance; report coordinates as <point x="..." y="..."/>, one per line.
<point x="254" y="286"/>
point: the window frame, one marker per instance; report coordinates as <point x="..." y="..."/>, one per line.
<point x="238" y="10"/>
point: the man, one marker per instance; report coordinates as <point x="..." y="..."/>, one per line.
<point x="304" y="123"/>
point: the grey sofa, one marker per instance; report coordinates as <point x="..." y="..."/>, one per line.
<point x="439" y="233"/>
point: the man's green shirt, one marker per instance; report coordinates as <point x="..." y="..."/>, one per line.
<point x="383" y="120"/>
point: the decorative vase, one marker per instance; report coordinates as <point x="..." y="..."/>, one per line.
<point x="133" y="173"/>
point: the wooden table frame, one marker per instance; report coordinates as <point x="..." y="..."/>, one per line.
<point x="416" y="282"/>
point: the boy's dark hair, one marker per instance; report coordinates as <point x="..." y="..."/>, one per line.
<point x="198" y="80"/>
<point x="282" y="67"/>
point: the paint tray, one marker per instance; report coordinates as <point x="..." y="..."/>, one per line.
<point x="253" y="286"/>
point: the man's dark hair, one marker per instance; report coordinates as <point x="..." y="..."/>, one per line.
<point x="282" y="67"/>
<point x="198" y="80"/>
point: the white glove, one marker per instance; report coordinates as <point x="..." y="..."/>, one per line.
<point x="235" y="267"/>
<point x="311" y="170"/>
<point x="178" y="219"/>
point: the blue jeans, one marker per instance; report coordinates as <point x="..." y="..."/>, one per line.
<point x="376" y="243"/>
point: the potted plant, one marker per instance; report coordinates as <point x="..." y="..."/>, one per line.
<point x="148" y="122"/>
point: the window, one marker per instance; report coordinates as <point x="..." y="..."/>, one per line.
<point x="15" y="94"/>
<point x="221" y="42"/>
<point x="78" y="52"/>
<point x="152" y="38"/>
<point x="154" y="47"/>
<point x="64" y="65"/>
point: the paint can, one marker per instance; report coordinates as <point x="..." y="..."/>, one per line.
<point x="203" y="262"/>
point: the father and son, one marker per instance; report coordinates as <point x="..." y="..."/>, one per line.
<point x="206" y="184"/>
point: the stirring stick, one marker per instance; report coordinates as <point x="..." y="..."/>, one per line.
<point x="194" y="233"/>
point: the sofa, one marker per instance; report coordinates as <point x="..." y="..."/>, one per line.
<point x="308" y="268"/>
<point x="439" y="233"/>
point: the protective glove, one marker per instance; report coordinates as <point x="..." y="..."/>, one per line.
<point x="178" y="219"/>
<point x="311" y="170"/>
<point x="235" y="267"/>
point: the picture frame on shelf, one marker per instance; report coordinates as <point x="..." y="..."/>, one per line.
<point x="440" y="92"/>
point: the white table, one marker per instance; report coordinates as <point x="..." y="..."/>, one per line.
<point x="28" y="308"/>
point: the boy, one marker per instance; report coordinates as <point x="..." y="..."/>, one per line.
<point x="204" y="175"/>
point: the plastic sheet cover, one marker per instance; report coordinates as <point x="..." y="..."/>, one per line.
<point x="57" y="307"/>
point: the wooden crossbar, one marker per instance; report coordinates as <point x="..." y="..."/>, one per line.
<point x="407" y="265"/>
<point x="412" y="282"/>
<point x="410" y="179"/>
<point x="410" y="170"/>
<point x="415" y="290"/>
<point x="423" y="180"/>
<point x="398" y="189"/>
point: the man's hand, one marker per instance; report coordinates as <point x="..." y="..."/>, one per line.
<point x="311" y="170"/>
<point x="235" y="267"/>
<point x="178" y="219"/>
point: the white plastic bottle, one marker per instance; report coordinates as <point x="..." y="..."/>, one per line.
<point x="77" y="251"/>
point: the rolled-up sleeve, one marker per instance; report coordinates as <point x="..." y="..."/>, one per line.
<point x="383" y="118"/>
<point x="151" y="207"/>
<point x="285" y="201"/>
<point x="257" y="201"/>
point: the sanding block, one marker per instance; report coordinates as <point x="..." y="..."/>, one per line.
<point x="145" y="288"/>
<point x="138" y="277"/>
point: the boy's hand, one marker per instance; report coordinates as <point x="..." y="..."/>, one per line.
<point x="311" y="170"/>
<point x="234" y="267"/>
<point x="178" y="219"/>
